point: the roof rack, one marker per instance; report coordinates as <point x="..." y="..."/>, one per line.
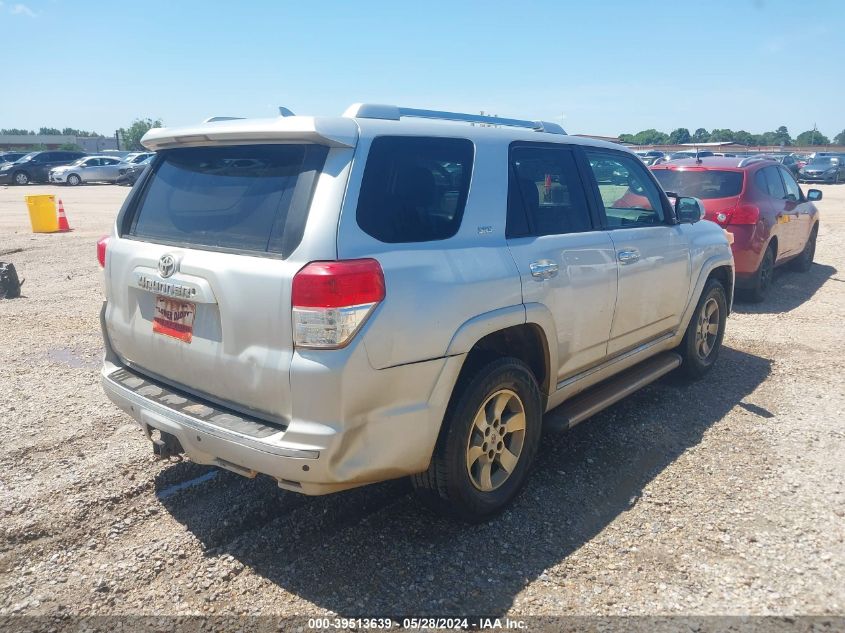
<point x="752" y="159"/>
<point x="214" y="119"/>
<point x="394" y="113"/>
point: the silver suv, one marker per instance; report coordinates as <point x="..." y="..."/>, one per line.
<point x="338" y="301"/>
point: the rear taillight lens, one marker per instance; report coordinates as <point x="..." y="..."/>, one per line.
<point x="331" y="300"/>
<point x="101" y="250"/>
<point x="745" y="214"/>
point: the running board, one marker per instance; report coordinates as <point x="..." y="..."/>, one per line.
<point x="597" y="398"/>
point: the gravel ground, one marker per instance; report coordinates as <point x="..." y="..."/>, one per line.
<point x="724" y="497"/>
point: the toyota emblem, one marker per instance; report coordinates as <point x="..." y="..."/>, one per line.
<point x="167" y="265"/>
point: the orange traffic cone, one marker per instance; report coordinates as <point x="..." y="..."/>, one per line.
<point x="63" y="225"/>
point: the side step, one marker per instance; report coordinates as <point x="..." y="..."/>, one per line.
<point x="594" y="399"/>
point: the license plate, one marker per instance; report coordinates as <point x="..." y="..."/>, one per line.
<point x="174" y="318"/>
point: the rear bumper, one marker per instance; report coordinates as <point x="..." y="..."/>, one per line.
<point x="352" y="426"/>
<point x="819" y="178"/>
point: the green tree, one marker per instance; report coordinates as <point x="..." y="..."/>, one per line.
<point x="131" y="137"/>
<point x="839" y="139"/>
<point x="49" y="130"/>
<point x="812" y="137"/>
<point x="680" y="136"/>
<point x="70" y="131"/>
<point x="17" y="132"/>
<point x="701" y="135"/>
<point x="650" y="137"/>
<point x="778" y="137"/>
<point x="722" y="135"/>
<point x="744" y="138"/>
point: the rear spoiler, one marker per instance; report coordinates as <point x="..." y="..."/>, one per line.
<point x="334" y="132"/>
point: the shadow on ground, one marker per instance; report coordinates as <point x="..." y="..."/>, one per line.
<point x="789" y="290"/>
<point x="375" y="550"/>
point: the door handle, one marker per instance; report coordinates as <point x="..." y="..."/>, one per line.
<point x="628" y="257"/>
<point x="543" y="268"/>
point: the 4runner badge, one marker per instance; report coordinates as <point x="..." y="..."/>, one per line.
<point x="167" y="265"/>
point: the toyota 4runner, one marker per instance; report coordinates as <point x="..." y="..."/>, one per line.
<point x="338" y="301"/>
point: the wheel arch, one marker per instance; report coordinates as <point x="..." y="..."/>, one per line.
<point x="521" y="331"/>
<point x="719" y="264"/>
<point x="725" y="275"/>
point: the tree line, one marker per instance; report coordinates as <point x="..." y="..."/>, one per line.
<point x="682" y="135"/>
<point x="129" y="137"/>
<point x="68" y="131"/>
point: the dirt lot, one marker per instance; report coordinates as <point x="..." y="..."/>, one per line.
<point x="722" y="497"/>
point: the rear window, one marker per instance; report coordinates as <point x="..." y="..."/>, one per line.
<point x="705" y="184"/>
<point x="414" y="189"/>
<point x="241" y="197"/>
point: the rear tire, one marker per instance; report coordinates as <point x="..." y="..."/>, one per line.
<point x="490" y="435"/>
<point x="804" y="261"/>
<point x="762" y="281"/>
<point x="703" y="339"/>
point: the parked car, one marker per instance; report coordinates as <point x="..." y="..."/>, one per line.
<point x="826" y="168"/>
<point x="758" y="201"/>
<point x="129" y="173"/>
<point x="338" y="301"/>
<point x="36" y="166"/>
<point x="10" y="157"/>
<point x="136" y="157"/>
<point x="87" y="169"/>
<point x="690" y="154"/>
<point x="652" y="157"/>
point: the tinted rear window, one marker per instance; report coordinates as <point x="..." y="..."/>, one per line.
<point x="243" y="197"/>
<point x="704" y="184"/>
<point x="414" y="189"/>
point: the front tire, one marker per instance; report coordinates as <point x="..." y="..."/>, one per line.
<point x="490" y="435"/>
<point x="703" y="339"/>
<point x="73" y="180"/>
<point x="21" y="178"/>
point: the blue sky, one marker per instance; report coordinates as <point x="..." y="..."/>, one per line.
<point x="602" y="67"/>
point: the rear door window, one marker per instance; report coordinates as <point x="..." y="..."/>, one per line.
<point x="241" y="197"/>
<point x="414" y="189"/>
<point x="545" y="194"/>
<point x="774" y="185"/>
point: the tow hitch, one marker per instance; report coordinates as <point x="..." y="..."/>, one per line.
<point x="166" y="445"/>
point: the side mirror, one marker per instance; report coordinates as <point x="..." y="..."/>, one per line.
<point x="814" y="195"/>
<point x="689" y="210"/>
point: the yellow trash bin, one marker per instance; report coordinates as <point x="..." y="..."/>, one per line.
<point x="42" y="213"/>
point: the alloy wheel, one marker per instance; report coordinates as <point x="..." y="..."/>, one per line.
<point x="496" y="440"/>
<point x="708" y="328"/>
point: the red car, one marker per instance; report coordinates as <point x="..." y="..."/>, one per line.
<point x="757" y="200"/>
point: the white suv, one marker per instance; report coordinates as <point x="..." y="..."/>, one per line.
<point x="338" y="301"/>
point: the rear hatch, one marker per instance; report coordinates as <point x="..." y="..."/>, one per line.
<point x="718" y="189"/>
<point x="199" y="280"/>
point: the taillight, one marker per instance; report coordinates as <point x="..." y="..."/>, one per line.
<point x="331" y="300"/>
<point x="101" y="250"/>
<point x="745" y="214"/>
